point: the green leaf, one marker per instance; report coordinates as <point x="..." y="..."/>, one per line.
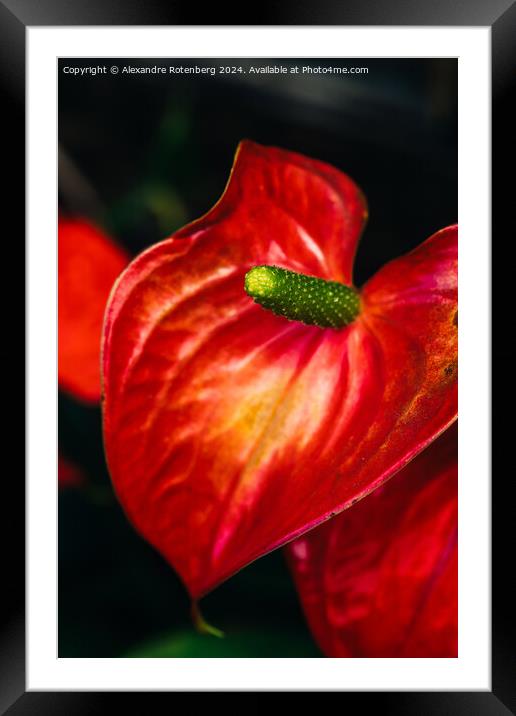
<point x="241" y="642"/>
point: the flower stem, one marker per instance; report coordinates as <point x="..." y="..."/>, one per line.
<point x="201" y="625"/>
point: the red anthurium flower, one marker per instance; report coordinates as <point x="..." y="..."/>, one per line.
<point x="380" y="580"/>
<point x="230" y="430"/>
<point x="88" y="264"/>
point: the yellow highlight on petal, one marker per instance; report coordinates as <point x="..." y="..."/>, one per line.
<point x="260" y="282"/>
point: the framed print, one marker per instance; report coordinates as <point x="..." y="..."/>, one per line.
<point x="241" y="431"/>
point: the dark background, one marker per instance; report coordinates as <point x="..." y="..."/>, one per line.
<point x="142" y="155"/>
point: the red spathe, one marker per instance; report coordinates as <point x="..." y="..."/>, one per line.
<point x="229" y="430"/>
<point x="380" y="580"/>
<point x="88" y="265"/>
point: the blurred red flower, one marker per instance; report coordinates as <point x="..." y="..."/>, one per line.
<point x="229" y="430"/>
<point x="68" y="474"/>
<point x="380" y="580"/>
<point x="89" y="262"/>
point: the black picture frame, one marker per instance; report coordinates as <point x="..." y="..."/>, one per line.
<point x="15" y="17"/>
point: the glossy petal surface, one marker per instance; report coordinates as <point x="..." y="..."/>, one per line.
<point x="380" y="580"/>
<point x="229" y="430"/>
<point x="88" y="264"/>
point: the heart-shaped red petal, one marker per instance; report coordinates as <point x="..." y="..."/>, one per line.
<point x="88" y="264"/>
<point x="380" y="580"/>
<point x="229" y="430"/>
